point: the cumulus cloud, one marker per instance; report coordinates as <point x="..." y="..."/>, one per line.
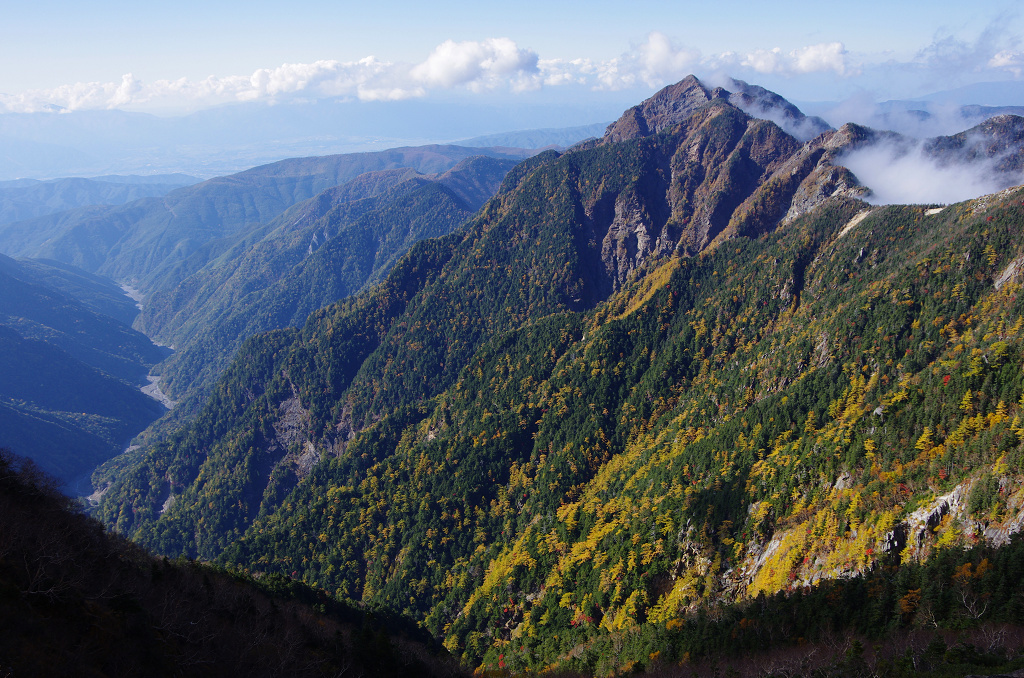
<point x="655" y="62"/>
<point x="820" y="58"/>
<point x="477" y="65"/>
<point x="951" y="59"/>
<point x="500" y="63"/>
<point x="81" y="95"/>
<point x="488" y="64"/>
<point x="950" y="54"/>
<point x="1009" y="60"/>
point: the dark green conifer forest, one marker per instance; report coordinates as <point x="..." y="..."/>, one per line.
<point x="680" y="400"/>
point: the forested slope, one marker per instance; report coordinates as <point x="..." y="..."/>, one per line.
<point x="75" y="601"/>
<point x="651" y="377"/>
<point x="319" y="251"/>
<point x="159" y="241"/>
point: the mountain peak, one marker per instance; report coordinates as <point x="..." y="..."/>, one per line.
<point x="675" y="103"/>
<point x="669" y="106"/>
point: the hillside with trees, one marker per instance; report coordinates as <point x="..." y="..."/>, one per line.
<point x="654" y="382"/>
<point x="76" y="601"/>
<point x="317" y="252"/>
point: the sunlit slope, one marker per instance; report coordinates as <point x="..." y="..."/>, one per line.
<point x="562" y="234"/>
<point x="592" y="472"/>
<point x="550" y="428"/>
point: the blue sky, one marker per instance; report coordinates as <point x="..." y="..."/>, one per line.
<point x="189" y="55"/>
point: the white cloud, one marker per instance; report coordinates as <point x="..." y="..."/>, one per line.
<point x="907" y="175"/>
<point x="485" y="64"/>
<point x="655" y="62"/>
<point x="823" y="57"/>
<point x="81" y="95"/>
<point x="826" y="56"/>
<point x="1009" y="60"/>
<point x="128" y="88"/>
<point x="500" y="63"/>
<point x="488" y="64"/>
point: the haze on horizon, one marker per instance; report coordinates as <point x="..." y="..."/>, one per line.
<point x="235" y="85"/>
<point x="190" y="56"/>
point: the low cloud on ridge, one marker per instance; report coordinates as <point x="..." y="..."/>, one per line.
<point x="905" y="174"/>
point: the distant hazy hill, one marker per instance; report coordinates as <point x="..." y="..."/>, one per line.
<point x="561" y="137"/>
<point x="69" y="375"/>
<point x="946" y="113"/>
<point x="65" y="415"/>
<point x="95" y="292"/>
<point x="44" y="313"/>
<point x="159" y="241"/>
<point x="226" y="139"/>
<point x="29" y="198"/>
<point x="316" y="253"/>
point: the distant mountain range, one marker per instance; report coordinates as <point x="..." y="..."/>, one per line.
<point x="324" y="249"/>
<point x="156" y="242"/>
<point x="28" y="198"/>
<point x="241" y="277"/>
<point x="539" y="138"/>
<point x="915" y="118"/>
<point x="228" y="139"/>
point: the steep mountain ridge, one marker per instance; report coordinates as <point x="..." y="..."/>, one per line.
<point x="650" y="376"/>
<point x="1000" y="138"/>
<point x="676" y="103"/>
<point x="563" y="233"/>
<point x="563" y="497"/>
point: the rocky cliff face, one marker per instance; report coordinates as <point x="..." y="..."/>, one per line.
<point x="670" y="106"/>
<point x="675" y="103"/>
<point x="729" y="166"/>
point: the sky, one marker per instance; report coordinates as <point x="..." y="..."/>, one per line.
<point x="186" y="56"/>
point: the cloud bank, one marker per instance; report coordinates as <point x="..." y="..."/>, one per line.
<point x="476" y="66"/>
<point x="501" y="64"/>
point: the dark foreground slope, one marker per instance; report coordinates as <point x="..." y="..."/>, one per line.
<point x="75" y="601"/>
<point x="554" y="434"/>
